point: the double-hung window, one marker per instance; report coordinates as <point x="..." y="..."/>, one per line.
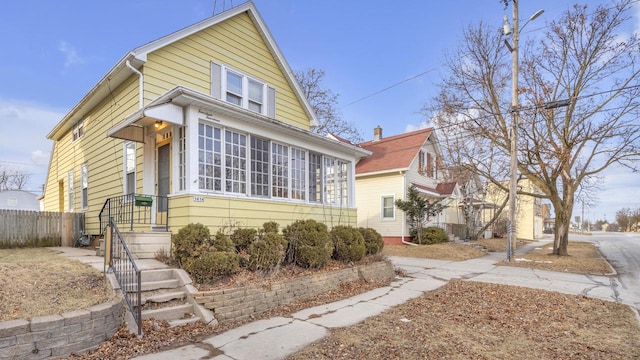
<point x="78" y="130"/>
<point x="70" y="189"/>
<point x="234" y="88"/>
<point x="130" y="167"/>
<point x="244" y="90"/>
<point x="388" y="207"/>
<point x="84" y="182"/>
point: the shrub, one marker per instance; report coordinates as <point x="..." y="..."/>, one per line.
<point x="243" y="237"/>
<point x="270" y="227"/>
<point x="211" y="265"/>
<point x="348" y="243"/>
<point x="310" y="245"/>
<point x="266" y="253"/>
<point x="190" y="241"/>
<point x="431" y="235"/>
<point x="372" y="240"/>
<point x="221" y="242"/>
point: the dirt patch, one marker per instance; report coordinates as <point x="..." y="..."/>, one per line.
<point x="498" y="244"/>
<point x="469" y="320"/>
<point x="38" y="282"/>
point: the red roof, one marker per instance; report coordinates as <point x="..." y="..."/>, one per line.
<point x="394" y="152"/>
<point x="444" y="189"/>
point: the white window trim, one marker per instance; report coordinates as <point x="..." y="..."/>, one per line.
<point x="348" y="166"/>
<point x="125" y="190"/>
<point x="245" y="88"/>
<point x="393" y="206"/>
<point x="84" y="185"/>
<point x="70" y="190"/>
<point x="77" y="131"/>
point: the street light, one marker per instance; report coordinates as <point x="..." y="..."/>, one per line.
<point x="515" y="34"/>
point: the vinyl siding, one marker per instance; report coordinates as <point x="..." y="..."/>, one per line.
<point x="103" y="156"/>
<point x="219" y="213"/>
<point x="236" y="43"/>
<point x="369" y="192"/>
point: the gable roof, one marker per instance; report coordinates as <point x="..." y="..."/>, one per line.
<point x="442" y="189"/>
<point x="392" y="153"/>
<point x="136" y="58"/>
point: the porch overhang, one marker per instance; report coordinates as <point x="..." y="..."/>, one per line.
<point x="133" y="126"/>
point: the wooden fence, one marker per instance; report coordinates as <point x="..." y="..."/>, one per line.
<point x="19" y="228"/>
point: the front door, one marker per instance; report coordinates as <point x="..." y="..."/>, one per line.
<point x="164" y="176"/>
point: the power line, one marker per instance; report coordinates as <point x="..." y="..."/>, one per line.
<point x="21" y="163"/>
<point x="391" y="86"/>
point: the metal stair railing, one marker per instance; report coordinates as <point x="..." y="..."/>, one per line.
<point x="132" y="209"/>
<point x="127" y="273"/>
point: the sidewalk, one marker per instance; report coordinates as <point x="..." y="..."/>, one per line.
<point x="279" y="337"/>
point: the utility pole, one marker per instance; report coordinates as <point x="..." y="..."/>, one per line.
<point x="513" y="179"/>
<point x="515" y="108"/>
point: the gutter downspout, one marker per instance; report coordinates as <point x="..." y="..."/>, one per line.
<point x="404" y="216"/>
<point x="140" y="84"/>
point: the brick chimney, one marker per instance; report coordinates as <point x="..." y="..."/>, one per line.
<point x="377" y="133"/>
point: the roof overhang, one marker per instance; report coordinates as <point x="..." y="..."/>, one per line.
<point x="133" y="126"/>
<point x="170" y="107"/>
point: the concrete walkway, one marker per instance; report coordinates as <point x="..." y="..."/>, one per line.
<point x="279" y="337"/>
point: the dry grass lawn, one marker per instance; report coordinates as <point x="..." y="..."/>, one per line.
<point x="470" y="320"/>
<point x="460" y="320"/>
<point x="442" y="251"/>
<point x="37" y="282"/>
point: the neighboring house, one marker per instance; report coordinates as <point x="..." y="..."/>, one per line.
<point x="396" y="163"/>
<point x="210" y="124"/>
<point x="529" y="215"/>
<point x="19" y="200"/>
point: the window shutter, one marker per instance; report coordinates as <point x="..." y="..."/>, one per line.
<point x="429" y="165"/>
<point x="271" y="102"/>
<point x="216" y="80"/>
<point x="421" y="162"/>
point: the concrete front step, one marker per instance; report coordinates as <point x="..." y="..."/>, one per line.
<point x="155" y="285"/>
<point x="157" y="275"/>
<point x="169" y="313"/>
<point x="179" y="322"/>
<point x="163" y="296"/>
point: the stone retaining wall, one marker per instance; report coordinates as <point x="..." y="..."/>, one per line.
<point x="239" y="303"/>
<point x="59" y="335"/>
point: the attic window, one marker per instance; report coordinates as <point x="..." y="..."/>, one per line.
<point x="242" y="90"/>
<point x="78" y="130"/>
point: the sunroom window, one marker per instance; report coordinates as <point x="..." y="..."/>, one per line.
<point x="230" y="162"/>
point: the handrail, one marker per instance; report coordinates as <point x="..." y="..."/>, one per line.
<point x="127" y="273"/>
<point x="133" y="209"/>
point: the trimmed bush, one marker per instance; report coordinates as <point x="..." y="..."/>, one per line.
<point x="190" y="242"/>
<point x="266" y="253"/>
<point x="221" y="242"/>
<point x="211" y="265"/>
<point x="372" y="240"/>
<point x="243" y="237"/>
<point x="310" y="245"/>
<point x="270" y="227"/>
<point x="430" y="235"/>
<point x="348" y="243"/>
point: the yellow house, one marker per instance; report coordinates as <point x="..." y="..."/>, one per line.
<point x="529" y="215"/>
<point x="206" y="125"/>
<point x="396" y="163"/>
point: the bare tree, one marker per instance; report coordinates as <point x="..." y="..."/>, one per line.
<point x="584" y="61"/>
<point x="324" y="101"/>
<point x="12" y="179"/>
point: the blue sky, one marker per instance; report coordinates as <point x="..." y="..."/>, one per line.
<point x="55" y="51"/>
